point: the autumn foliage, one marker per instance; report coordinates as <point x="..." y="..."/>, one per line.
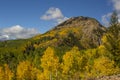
<point x="71" y="53"/>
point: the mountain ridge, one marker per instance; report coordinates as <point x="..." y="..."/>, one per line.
<point x="83" y="28"/>
<point x="86" y="31"/>
<point x="69" y="22"/>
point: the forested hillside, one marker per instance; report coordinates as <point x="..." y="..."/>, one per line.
<point x="77" y="49"/>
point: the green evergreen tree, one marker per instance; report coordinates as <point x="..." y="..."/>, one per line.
<point x="112" y="41"/>
<point x="114" y="18"/>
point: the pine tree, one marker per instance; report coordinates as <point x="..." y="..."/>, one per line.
<point x="114" y="18"/>
<point x="111" y="39"/>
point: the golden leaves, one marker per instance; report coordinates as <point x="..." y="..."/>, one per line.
<point x="6" y="73"/>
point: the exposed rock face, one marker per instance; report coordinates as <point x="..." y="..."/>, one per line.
<point x="80" y="21"/>
<point x="91" y="30"/>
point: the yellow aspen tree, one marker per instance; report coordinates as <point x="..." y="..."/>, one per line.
<point x="26" y="71"/>
<point x="73" y="63"/>
<point x="50" y="64"/>
<point x="104" y="66"/>
<point x="6" y="73"/>
<point x="1" y="73"/>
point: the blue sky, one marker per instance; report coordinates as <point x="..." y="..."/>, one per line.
<point x="41" y="15"/>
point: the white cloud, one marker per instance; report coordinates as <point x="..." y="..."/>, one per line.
<point x="116" y="4"/>
<point x="60" y="20"/>
<point x="4" y="37"/>
<point x="17" y="32"/>
<point x="54" y="14"/>
<point x="106" y="18"/>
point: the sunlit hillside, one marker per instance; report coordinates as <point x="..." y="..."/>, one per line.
<point x="80" y="48"/>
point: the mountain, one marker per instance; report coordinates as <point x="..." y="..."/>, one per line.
<point x="79" y="48"/>
<point x="84" y="32"/>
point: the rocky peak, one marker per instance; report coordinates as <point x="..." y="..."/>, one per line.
<point x="90" y="30"/>
<point x="80" y="21"/>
